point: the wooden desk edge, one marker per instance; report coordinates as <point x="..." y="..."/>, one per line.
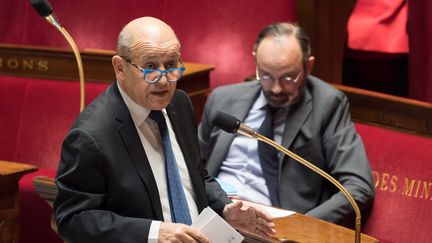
<point x="252" y="238"/>
<point x="8" y="168"/>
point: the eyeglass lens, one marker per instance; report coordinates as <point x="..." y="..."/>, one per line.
<point x="155" y="75"/>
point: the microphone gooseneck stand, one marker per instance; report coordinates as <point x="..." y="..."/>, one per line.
<point x="231" y="124"/>
<point x="44" y="9"/>
<point x="248" y="132"/>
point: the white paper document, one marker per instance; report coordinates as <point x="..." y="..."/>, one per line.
<point x="277" y="212"/>
<point x="215" y="228"/>
<point x="274" y="212"/>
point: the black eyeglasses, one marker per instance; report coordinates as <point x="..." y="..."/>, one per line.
<point x="154" y="75"/>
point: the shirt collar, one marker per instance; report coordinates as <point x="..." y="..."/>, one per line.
<point x="260" y="102"/>
<point x="138" y="113"/>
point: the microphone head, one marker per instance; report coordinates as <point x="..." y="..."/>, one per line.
<point x="226" y="122"/>
<point x="43" y="7"/>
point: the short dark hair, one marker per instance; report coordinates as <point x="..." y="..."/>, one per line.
<point x="286" y="28"/>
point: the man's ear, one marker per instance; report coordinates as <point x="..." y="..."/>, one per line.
<point x="254" y="55"/>
<point x="118" y="66"/>
<point x="310" y="64"/>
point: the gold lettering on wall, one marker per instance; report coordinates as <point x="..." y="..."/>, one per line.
<point x="385" y="181"/>
<point x="43" y="66"/>
<point x="426" y="190"/>
<point x="424" y="187"/>
<point x="12" y="63"/>
<point x="393" y="184"/>
<point x="415" y="188"/>
<point x="24" y="64"/>
<point x="27" y="64"/>
<point x="375" y="176"/>
<point x="409" y="184"/>
<point x="418" y="187"/>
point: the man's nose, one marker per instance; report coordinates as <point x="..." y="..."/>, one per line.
<point x="164" y="78"/>
<point x="276" y="88"/>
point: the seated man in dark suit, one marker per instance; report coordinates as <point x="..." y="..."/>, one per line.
<point x="130" y="168"/>
<point x="299" y="111"/>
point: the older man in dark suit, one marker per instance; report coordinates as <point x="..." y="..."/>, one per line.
<point x="130" y="168"/>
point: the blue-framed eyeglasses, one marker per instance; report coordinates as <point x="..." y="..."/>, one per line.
<point x="285" y="80"/>
<point x="154" y="75"/>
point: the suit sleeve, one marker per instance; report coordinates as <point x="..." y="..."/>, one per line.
<point x="217" y="198"/>
<point x="347" y="162"/>
<point x="82" y="194"/>
<point x="205" y="127"/>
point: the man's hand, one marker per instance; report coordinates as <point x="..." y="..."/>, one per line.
<point x="244" y="216"/>
<point x="172" y="232"/>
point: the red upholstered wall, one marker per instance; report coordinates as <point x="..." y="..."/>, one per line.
<point x="220" y="33"/>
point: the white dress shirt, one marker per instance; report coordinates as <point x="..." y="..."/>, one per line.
<point x="148" y="132"/>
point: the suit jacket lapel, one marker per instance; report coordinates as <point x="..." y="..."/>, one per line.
<point x="129" y="134"/>
<point x="240" y="109"/>
<point x="296" y="117"/>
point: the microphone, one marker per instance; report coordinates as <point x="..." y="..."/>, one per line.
<point x="45" y="10"/>
<point x="231" y="124"/>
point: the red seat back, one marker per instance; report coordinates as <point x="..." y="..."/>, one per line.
<point x="11" y="103"/>
<point x="36" y="115"/>
<point x="402" y="170"/>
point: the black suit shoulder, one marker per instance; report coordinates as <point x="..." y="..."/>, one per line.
<point x="326" y="99"/>
<point x="323" y="90"/>
<point x="100" y="109"/>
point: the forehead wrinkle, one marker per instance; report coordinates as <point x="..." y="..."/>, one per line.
<point x="143" y="48"/>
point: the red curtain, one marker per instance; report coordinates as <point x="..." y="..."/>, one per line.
<point x="393" y="26"/>
<point x="220" y="33"/>
<point x="379" y="25"/>
<point x="420" y="56"/>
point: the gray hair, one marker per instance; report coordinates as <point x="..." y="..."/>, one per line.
<point x="124" y="42"/>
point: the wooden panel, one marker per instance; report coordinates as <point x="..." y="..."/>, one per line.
<point x="54" y="63"/>
<point x="325" y="22"/>
<point x="60" y="64"/>
<point x="10" y="173"/>
<point x="389" y="111"/>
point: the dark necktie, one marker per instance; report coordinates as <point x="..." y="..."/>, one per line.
<point x="269" y="157"/>
<point x="177" y="199"/>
